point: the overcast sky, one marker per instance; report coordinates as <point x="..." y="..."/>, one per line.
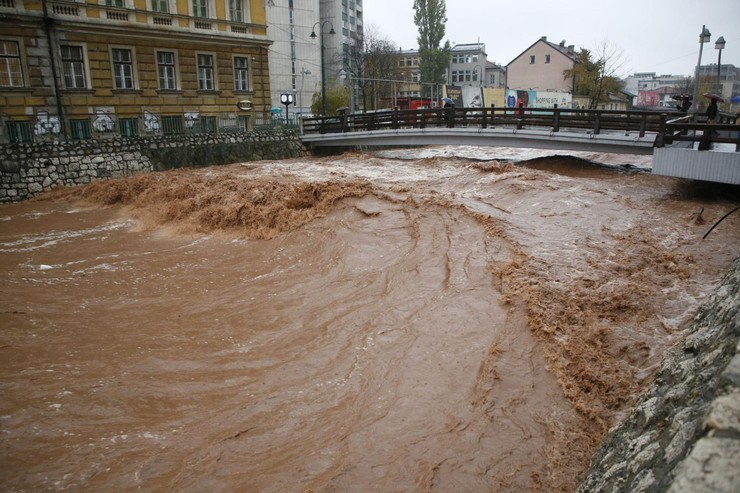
<point x="654" y="35"/>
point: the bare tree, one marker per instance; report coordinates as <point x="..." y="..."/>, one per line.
<point x="596" y="74"/>
<point x="370" y="65"/>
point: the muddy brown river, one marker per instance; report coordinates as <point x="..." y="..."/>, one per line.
<point x="446" y="319"/>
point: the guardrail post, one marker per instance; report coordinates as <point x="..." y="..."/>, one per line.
<point x="345" y="126"/>
<point x="484" y="121"/>
<point x="643" y="124"/>
<point x="597" y="124"/>
<point x="556" y="119"/>
<point x="450" y="113"/>
<point x="660" y="137"/>
<point x="394" y="124"/>
<point x="705" y="143"/>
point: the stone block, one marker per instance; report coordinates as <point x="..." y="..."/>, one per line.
<point x="731" y="375"/>
<point x="713" y="466"/>
<point x="724" y="413"/>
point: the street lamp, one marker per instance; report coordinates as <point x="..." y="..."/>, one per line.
<point x="719" y="45"/>
<point x="323" y="77"/>
<point x="304" y="73"/>
<point x="346" y="76"/>
<point x="703" y="38"/>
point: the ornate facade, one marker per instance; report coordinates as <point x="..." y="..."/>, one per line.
<point x="92" y="68"/>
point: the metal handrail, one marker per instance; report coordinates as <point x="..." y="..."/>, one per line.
<point x="554" y="119"/>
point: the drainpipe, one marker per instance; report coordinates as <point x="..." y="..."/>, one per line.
<point x="48" y="27"/>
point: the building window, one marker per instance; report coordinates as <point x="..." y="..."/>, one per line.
<point x="128" y="127"/>
<point x="531" y="59"/>
<point x="547" y="58"/>
<point x="160" y="6"/>
<point x="115" y="3"/>
<point x="241" y="73"/>
<point x="19" y="132"/>
<point x="123" y="68"/>
<point x="206" y="124"/>
<point x="200" y="8"/>
<point x="73" y="67"/>
<point x="236" y="10"/>
<point x="166" y="73"/>
<point x="172" y="125"/>
<point x="79" y="129"/>
<point x="11" y="71"/>
<point x="205" y="72"/>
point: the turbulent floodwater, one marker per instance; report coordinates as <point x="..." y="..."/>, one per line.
<point x="435" y="319"/>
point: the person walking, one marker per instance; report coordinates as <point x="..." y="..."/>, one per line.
<point x="711" y="111"/>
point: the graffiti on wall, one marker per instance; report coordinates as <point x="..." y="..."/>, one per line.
<point x="151" y="122"/>
<point x="192" y="117"/>
<point x="103" y="121"/>
<point x="46" y="124"/>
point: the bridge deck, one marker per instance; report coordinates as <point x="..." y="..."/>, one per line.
<point x="630" y="132"/>
<point x="498" y="137"/>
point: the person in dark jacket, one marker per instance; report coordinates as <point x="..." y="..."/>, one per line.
<point x="711" y="111"/>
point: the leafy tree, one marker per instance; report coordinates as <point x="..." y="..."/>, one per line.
<point x="336" y="97"/>
<point x="707" y="83"/>
<point x="594" y="75"/>
<point x="430" y="17"/>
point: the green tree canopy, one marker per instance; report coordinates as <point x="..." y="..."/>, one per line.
<point x="336" y="97"/>
<point x="430" y="17"/>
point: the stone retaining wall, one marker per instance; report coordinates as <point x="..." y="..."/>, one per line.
<point x="29" y="169"/>
<point x="683" y="435"/>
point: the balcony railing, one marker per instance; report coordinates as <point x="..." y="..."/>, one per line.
<point x="66" y="9"/>
<point x="71" y="8"/>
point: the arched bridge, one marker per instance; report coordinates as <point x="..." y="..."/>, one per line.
<point x="625" y="132"/>
<point x="631" y="132"/>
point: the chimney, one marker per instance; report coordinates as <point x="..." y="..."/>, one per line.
<point x="571" y="48"/>
<point x="543" y="38"/>
<point x="562" y="43"/>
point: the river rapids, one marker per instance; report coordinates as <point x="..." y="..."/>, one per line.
<point x="432" y="320"/>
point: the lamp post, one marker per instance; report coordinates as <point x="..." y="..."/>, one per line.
<point x="304" y="73"/>
<point x="323" y="77"/>
<point x="719" y="45"/>
<point x="346" y="76"/>
<point x="703" y="38"/>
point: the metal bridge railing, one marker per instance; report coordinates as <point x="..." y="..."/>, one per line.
<point x="553" y="119"/>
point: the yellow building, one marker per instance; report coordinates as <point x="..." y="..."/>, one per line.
<point x="80" y="69"/>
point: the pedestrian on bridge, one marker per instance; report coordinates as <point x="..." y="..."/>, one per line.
<point x="711" y="111"/>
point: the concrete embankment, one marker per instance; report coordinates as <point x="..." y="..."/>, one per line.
<point x="683" y="435"/>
